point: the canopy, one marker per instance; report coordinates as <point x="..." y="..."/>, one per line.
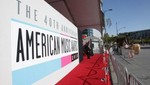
<point x="82" y="13"/>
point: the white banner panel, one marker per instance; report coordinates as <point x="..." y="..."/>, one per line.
<point x="40" y="43"/>
<point x="32" y="44"/>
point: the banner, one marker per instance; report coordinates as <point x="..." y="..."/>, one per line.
<point x="43" y="42"/>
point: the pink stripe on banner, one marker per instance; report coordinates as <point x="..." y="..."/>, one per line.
<point x="65" y="60"/>
<point x="64" y="35"/>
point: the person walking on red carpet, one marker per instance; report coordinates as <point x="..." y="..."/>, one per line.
<point x="87" y="50"/>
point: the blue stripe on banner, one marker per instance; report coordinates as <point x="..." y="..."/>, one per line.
<point x="29" y="75"/>
<point x="32" y="25"/>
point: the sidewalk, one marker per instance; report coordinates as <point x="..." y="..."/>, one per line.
<point x="113" y="74"/>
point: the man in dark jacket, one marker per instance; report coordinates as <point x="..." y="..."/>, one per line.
<point x="87" y="50"/>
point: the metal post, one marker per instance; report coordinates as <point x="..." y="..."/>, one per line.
<point x="105" y="23"/>
<point x="117" y="39"/>
<point x="116" y="29"/>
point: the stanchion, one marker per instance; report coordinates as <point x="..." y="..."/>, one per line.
<point x="105" y="63"/>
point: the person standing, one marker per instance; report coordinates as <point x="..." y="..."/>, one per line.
<point x="131" y="51"/>
<point x="87" y="50"/>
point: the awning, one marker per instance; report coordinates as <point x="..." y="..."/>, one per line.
<point x="82" y="13"/>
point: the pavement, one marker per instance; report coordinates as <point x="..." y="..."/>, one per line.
<point x="113" y="75"/>
<point x="139" y="65"/>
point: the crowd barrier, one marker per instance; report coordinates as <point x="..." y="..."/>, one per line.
<point x="123" y="76"/>
<point x="134" y="80"/>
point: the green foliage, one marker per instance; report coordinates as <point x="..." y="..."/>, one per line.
<point x="108" y="39"/>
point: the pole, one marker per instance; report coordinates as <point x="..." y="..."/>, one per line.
<point x="117" y="39"/>
<point x="116" y="29"/>
<point x="105" y="25"/>
<point x="105" y="19"/>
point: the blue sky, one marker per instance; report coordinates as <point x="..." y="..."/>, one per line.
<point x="132" y="14"/>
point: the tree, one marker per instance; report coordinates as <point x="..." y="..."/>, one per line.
<point x="106" y="37"/>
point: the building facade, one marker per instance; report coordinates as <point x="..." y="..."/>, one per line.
<point x="138" y="36"/>
<point x="88" y="32"/>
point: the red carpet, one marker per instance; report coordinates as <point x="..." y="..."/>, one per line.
<point x="89" y="72"/>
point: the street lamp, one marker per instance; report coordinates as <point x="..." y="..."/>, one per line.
<point x="104" y="12"/>
<point x="105" y="17"/>
<point x="118" y="29"/>
<point x="119" y="50"/>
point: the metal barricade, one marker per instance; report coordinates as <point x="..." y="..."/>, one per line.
<point x="134" y="80"/>
<point x="123" y="76"/>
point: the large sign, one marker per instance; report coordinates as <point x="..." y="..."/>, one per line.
<point x="32" y="45"/>
<point x="43" y="43"/>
